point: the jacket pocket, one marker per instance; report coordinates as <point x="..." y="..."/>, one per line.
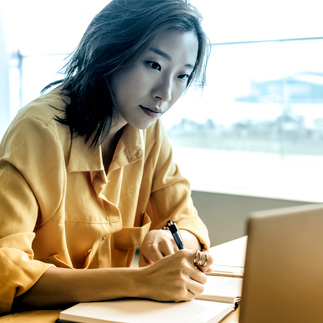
<point x="55" y="260"/>
<point x="132" y="237"/>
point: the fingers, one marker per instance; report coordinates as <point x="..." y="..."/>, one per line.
<point x="153" y="252"/>
<point x="195" y="288"/>
<point x="161" y="249"/>
<point x="175" y="277"/>
<point x="144" y="261"/>
<point x="156" y="245"/>
<point x="202" y="261"/>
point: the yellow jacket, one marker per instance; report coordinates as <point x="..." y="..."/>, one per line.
<point x="59" y="207"/>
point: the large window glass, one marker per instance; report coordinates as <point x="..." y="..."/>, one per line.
<point x="256" y="129"/>
<point x="258" y="126"/>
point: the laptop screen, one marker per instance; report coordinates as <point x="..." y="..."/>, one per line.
<point x="283" y="279"/>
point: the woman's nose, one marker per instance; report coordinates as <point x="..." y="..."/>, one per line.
<point x="163" y="91"/>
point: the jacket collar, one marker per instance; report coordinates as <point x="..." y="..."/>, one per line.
<point x="84" y="158"/>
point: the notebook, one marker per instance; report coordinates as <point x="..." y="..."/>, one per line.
<point x="283" y="277"/>
<point x="220" y="297"/>
<point x="146" y="311"/>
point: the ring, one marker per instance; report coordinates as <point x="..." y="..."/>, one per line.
<point x="206" y="259"/>
<point x="199" y="256"/>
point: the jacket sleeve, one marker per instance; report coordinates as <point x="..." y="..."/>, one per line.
<point x="27" y="151"/>
<point x="171" y="193"/>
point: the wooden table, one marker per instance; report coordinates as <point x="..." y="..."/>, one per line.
<point x="231" y="253"/>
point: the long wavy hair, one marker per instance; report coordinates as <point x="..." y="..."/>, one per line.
<point x="116" y="37"/>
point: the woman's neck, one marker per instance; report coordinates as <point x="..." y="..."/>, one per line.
<point x="109" y="146"/>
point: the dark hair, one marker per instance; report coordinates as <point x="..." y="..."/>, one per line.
<point x="115" y="38"/>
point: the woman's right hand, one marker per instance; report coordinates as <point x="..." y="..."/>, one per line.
<point x="173" y="278"/>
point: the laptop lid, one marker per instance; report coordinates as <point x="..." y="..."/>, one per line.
<point x="283" y="279"/>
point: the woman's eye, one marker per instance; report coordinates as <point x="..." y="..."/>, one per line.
<point x="184" y="77"/>
<point x="154" y="65"/>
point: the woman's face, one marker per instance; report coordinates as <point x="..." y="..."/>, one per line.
<point x="154" y="82"/>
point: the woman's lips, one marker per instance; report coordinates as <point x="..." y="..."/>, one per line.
<point x="151" y="111"/>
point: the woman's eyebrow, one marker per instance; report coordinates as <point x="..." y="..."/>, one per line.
<point x="160" y="52"/>
<point x="163" y="54"/>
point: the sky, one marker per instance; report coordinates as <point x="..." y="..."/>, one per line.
<point x="46" y="26"/>
<point x="245" y="20"/>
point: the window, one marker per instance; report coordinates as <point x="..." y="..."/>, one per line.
<point x="257" y="129"/>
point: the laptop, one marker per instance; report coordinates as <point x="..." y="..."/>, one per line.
<point x="283" y="278"/>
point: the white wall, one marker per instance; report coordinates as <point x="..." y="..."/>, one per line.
<point x="226" y="215"/>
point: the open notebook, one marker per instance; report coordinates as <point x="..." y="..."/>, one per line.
<point x="146" y="311"/>
<point x="219" y="298"/>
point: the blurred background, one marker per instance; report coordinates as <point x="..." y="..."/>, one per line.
<point x="253" y="139"/>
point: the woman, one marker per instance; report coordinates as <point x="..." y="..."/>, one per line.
<point x="87" y="174"/>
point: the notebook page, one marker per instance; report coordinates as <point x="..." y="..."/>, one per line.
<point x="222" y="289"/>
<point x="145" y="311"/>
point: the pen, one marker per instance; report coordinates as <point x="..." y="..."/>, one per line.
<point x="174" y="230"/>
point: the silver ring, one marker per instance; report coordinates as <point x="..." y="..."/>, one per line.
<point x="197" y="254"/>
<point x="199" y="257"/>
<point x="206" y="259"/>
<point x="202" y="254"/>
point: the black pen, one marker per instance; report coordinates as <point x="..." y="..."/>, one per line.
<point x="174" y="230"/>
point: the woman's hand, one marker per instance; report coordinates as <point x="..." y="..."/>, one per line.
<point x="174" y="277"/>
<point x="171" y="274"/>
<point x="156" y="245"/>
<point x="160" y="243"/>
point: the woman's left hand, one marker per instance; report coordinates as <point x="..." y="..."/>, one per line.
<point x="160" y="243"/>
<point x="156" y="245"/>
